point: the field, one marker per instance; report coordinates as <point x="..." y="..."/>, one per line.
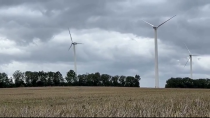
<point x="103" y="101"/>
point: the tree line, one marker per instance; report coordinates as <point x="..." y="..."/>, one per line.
<point x="187" y="83"/>
<point x="41" y="79"/>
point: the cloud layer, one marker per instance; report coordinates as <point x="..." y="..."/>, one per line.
<point x="34" y="36"/>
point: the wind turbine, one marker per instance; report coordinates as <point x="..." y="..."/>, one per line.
<point x="74" y="49"/>
<point x="190" y="57"/>
<point x="156" y="51"/>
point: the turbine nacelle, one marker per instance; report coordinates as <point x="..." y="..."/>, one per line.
<point x="75" y="43"/>
<point x="193" y="55"/>
<point x="155" y="28"/>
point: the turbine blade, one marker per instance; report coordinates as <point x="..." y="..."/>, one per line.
<point x="70" y="46"/>
<point x="70" y="35"/>
<point x="79" y="43"/>
<point x="148" y="23"/>
<point x="187" y="48"/>
<point x="195" y="55"/>
<point x="165" y="21"/>
<point x="186" y="62"/>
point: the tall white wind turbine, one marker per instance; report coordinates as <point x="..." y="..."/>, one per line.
<point x="190" y="57"/>
<point x="74" y="49"/>
<point x="156" y="51"/>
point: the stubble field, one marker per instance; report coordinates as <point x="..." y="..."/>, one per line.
<point x="103" y="102"/>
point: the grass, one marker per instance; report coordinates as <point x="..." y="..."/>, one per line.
<point x="103" y="102"/>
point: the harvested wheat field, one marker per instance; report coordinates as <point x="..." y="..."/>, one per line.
<point x="103" y="101"/>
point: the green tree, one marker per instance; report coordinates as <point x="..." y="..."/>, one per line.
<point x="174" y="83"/>
<point x="90" y="80"/>
<point x="96" y="79"/>
<point x="105" y="78"/>
<point x="136" y="81"/>
<point x="35" y="78"/>
<point x="19" y="78"/>
<point x="5" y="81"/>
<point x="71" y="77"/>
<point x="122" y="80"/>
<point x="50" y="78"/>
<point x="82" y="80"/>
<point x="187" y="82"/>
<point x="28" y="78"/>
<point x="58" y="78"/>
<point x="42" y="79"/>
<point x="115" y="80"/>
<point x="129" y="81"/>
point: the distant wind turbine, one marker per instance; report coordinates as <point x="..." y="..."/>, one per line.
<point x="156" y="51"/>
<point x="74" y="49"/>
<point x="190" y="57"/>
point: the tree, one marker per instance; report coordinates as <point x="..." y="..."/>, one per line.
<point x="187" y="83"/>
<point x="208" y="83"/>
<point x="28" y="78"/>
<point x="42" y="78"/>
<point x="5" y="81"/>
<point x="122" y="80"/>
<point x="82" y="80"/>
<point x="105" y="79"/>
<point x="58" y="78"/>
<point x="174" y="83"/>
<point x="90" y="80"/>
<point x="136" y="81"/>
<point x="50" y="78"/>
<point x="35" y="78"/>
<point x="96" y="78"/>
<point x="129" y="81"/>
<point x="115" y="80"/>
<point x="71" y="77"/>
<point x="19" y="78"/>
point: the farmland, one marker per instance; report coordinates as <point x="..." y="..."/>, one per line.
<point x="103" y="101"/>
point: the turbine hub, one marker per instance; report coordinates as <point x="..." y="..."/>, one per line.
<point x="155" y="28"/>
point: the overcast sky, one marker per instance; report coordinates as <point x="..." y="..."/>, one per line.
<point x="34" y="36"/>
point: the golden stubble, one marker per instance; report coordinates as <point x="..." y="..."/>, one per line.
<point x="103" y="102"/>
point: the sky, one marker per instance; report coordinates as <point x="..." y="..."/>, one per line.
<point x="34" y="36"/>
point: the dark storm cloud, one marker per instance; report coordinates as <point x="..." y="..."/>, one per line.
<point x="71" y="13"/>
<point x="8" y="3"/>
<point x="110" y="16"/>
<point x="44" y="19"/>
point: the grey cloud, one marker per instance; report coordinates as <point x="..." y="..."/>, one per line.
<point x="7" y="3"/>
<point x="79" y="11"/>
<point x="46" y="26"/>
<point x="56" y="16"/>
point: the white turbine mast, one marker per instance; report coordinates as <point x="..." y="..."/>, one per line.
<point x="74" y="49"/>
<point x="190" y="57"/>
<point x="156" y="51"/>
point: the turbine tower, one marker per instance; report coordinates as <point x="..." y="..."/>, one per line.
<point x="156" y="51"/>
<point x="74" y="49"/>
<point x="190" y="57"/>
